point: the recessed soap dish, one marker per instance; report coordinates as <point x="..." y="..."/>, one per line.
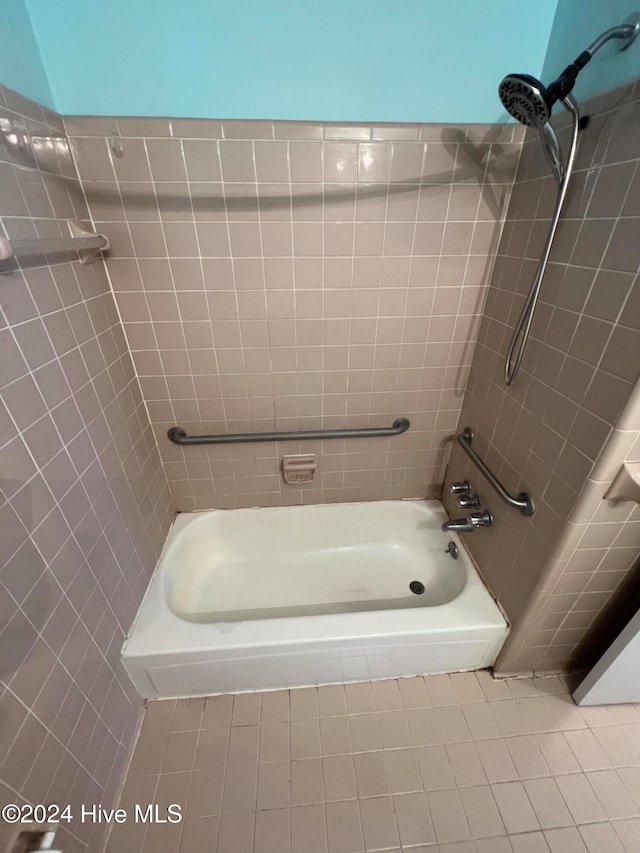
<point x="300" y="468"/>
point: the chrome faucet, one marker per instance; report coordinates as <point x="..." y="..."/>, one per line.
<point x="470" y="522"/>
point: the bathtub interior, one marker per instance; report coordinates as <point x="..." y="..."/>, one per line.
<point x="280" y="562"/>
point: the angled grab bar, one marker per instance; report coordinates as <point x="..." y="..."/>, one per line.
<point x="179" y="436"/>
<point x="522" y="502"/>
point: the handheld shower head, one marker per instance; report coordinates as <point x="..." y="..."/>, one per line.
<point x="526" y="99"/>
<point x="530" y="102"/>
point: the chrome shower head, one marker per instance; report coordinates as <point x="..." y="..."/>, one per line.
<point x="526" y="99"/>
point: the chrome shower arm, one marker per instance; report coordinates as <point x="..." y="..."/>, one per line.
<point x="626" y="32"/>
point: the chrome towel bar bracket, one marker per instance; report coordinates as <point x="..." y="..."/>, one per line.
<point x="522" y="501"/>
<point x="88" y="244"/>
<point x="179" y="436"/>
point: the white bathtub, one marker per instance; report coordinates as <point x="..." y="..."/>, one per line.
<point x="258" y="599"/>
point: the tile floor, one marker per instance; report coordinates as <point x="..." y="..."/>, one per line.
<point x="442" y="764"/>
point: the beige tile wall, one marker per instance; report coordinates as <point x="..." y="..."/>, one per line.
<point x="284" y="276"/>
<point x="545" y="433"/>
<point x="590" y="587"/>
<point x="84" y="503"/>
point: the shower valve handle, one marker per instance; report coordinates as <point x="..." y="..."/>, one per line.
<point x="460" y="488"/>
<point x="468" y="501"/>
<point x="481" y="519"/>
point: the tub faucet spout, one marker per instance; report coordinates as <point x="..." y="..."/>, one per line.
<point x="469" y="523"/>
<point x="461" y="525"/>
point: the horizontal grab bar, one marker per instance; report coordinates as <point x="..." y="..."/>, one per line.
<point x="522" y="502"/>
<point x="179" y="436"/>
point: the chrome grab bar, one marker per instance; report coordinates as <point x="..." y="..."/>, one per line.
<point x="522" y="502"/>
<point x="179" y="436"/>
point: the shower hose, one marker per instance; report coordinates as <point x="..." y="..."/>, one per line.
<point x="523" y="326"/>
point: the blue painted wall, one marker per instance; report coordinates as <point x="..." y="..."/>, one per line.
<point x="576" y="25"/>
<point x="21" y="66"/>
<point x="341" y="60"/>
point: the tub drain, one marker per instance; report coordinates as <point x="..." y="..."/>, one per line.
<point x="417" y="587"/>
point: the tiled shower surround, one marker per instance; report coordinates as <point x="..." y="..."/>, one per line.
<point x="566" y="576"/>
<point x="84" y="504"/>
<point x="286" y="276"/>
<point x="292" y="276"/>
